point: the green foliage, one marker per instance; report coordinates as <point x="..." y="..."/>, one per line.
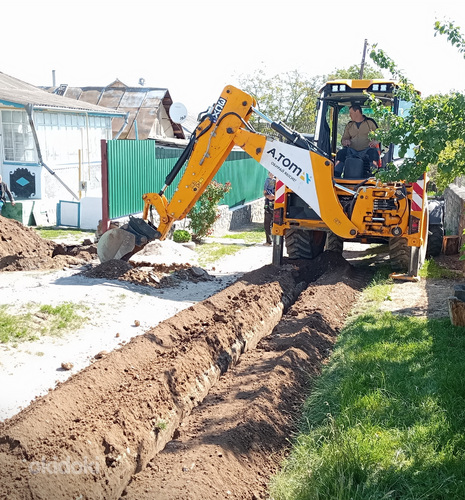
<point x="181" y="236"/>
<point x="431" y="269"/>
<point x="161" y="425"/>
<point x="434" y="127"/>
<point x="60" y="318"/>
<point x="45" y="320"/>
<point x="251" y="236"/>
<point x="205" y="212"/>
<point x="209" y="253"/>
<point x="292" y="97"/>
<point x="353" y="72"/>
<point x="453" y="35"/>
<point x="55" y="233"/>
<point x="14" y="327"/>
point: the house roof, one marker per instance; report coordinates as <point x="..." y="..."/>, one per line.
<point x="14" y="92"/>
<point x="141" y="104"/>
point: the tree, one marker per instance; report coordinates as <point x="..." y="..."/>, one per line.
<point x="434" y="127"/>
<point x="352" y="73"/>
<point x="290" y="98"/>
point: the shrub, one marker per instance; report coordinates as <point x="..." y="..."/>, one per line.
<point x="181" y="236"/>
<point x="205" y="212"/>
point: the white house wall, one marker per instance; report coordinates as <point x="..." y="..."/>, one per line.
<point x="70" y="146"/>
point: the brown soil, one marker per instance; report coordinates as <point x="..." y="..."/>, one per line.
<point x="156" y="275"/>
<point x="22" y="249"/>
<point x="201" y="406"/>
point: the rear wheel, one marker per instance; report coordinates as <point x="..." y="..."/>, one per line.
<point x="435" y="240"/>
<point x="436" y="227"/>
<point x="303" y="244"/>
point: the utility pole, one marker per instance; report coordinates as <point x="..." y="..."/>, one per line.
<point x="362" y="65"/>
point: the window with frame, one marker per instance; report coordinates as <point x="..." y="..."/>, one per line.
<point x="18" y="143"/>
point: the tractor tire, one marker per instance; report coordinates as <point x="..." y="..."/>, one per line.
<point x="408" y="259"/>
<point x="436" y="226"/>
<point x="334" y="243"/>
<point x="435" y="240"/>
<point x="399" y="254"/>
<point x="303" y="244"/>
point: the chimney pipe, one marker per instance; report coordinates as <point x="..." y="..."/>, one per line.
<point x="53" y="78"/>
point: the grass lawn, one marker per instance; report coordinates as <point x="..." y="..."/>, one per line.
<point x="40" y="320"/>
<point x="56" y="233"/>
<point x="211" y="252"/>
<point x="386" y="419"/>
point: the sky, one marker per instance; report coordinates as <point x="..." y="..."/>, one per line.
<point x="196" y="48"/>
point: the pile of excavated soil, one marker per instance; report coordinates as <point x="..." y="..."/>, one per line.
<point x="22" y="249"/>
<point x="156" y="275"/>
<point x="100" y="434"/>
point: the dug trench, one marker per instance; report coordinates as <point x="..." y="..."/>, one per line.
<point x="201" y="406"/>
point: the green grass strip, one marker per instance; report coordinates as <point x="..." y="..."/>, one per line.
<point x="386" y="419"/>
<point x="208" y="253"/>
<point x="39" y="321"/>
<point x="14" y="327"/>
<point x="51" y="233"/>
<point x="255" y="235"/>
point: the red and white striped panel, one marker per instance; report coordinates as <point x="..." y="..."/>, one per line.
<point x="280" y="191"/>
<point x="417" y="194"/>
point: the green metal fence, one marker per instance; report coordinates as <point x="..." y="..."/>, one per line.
<point x="138" y="167"/>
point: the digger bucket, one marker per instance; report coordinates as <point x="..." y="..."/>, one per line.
<point x="121" y="243"/>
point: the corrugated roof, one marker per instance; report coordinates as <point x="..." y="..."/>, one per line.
<point x="17" y="92"/>
<point x="141" y="103"/>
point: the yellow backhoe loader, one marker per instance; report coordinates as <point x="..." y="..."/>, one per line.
<point x="313" y="206"/>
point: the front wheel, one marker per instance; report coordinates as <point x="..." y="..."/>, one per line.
<point x="304" y="244"/>
<point x="408" y="259"/>
<point x="334" y="243"/>
<point x="399" y="254"/>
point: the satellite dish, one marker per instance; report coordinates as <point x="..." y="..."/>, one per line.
<point x="178" y="112"/>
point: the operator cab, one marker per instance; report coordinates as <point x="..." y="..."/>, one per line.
<point x="336" y="97"/>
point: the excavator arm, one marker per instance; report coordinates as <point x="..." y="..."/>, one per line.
<point x="298" y="164"/>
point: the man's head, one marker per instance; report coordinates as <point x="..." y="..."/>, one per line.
<point x="355" y="112"/>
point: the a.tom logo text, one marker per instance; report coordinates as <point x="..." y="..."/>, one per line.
<point x="285" y="162"/>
